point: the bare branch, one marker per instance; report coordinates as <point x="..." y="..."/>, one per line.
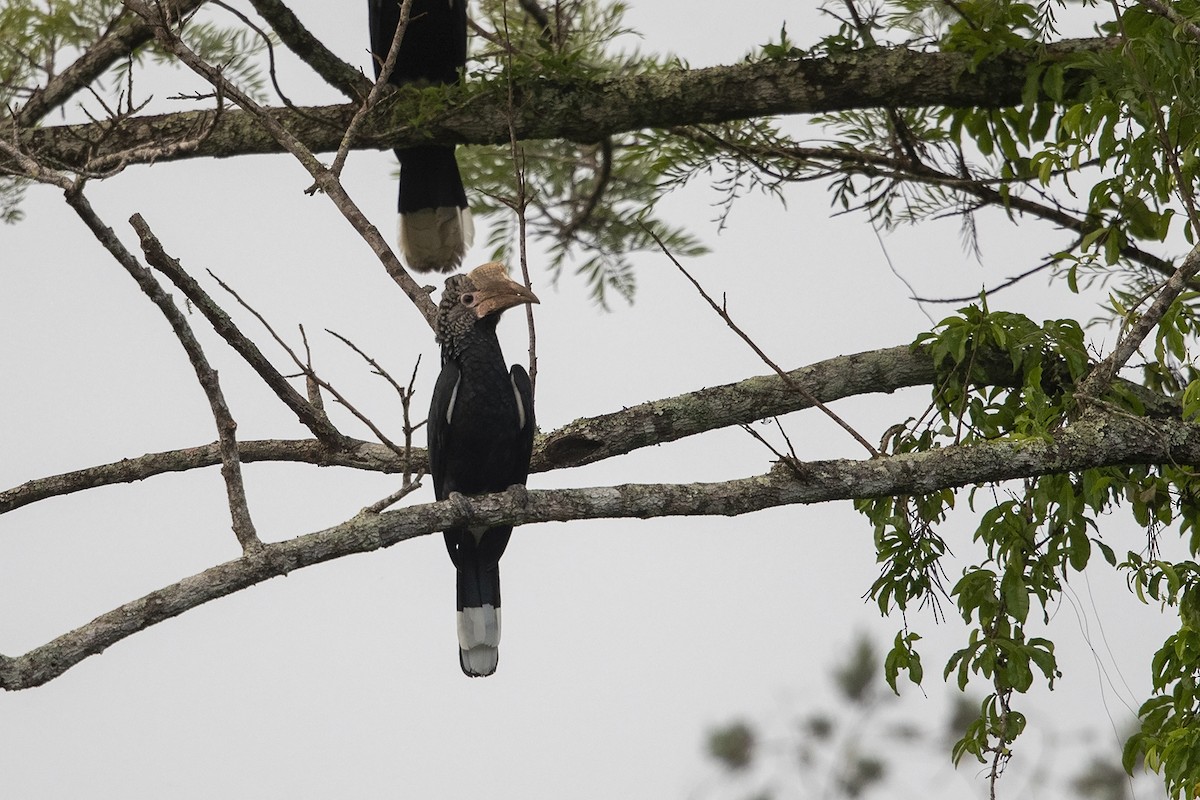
<point x="311" y="50"/>
<point x="1102" y="375"/>
<point x="231" y="468"/>
<point x="1094" y="441"/>
<point x="311" y="417"/>
<point x="75" y="198"/>
<point x="326" y="181"/>
<point x="376" y="91"/>
<point x="356" y="454"/>
<point x="724" y="314"/>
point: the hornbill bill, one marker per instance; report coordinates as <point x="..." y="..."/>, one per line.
<point x="480" y="440"/>
<point x="435" y="223"/>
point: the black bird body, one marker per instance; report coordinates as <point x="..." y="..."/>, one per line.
<point x="435" y="223"/>
<point x="480" y="433"/>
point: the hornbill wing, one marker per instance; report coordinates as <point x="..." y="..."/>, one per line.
<point x="524" y="392"/>
<point x="437" y="427"/>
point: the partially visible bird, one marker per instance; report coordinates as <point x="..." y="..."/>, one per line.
<point x="435" y="222"/>
<point x="480" y="440"/>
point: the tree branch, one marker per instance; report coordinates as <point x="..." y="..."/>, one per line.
<point x="311" y="50"/>
<point x="231" y="468"/>
<point x="311" y="417"/>
<point x="1095" y="441"/>
<point x="356" y="454"/>
<point x="589" y="110"/>
<point x="124" y="35"/>
<point x="1102" y="375"/>
<point x="267" y="120"/>
<point x="584" y="441"/>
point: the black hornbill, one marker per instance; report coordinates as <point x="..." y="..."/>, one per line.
<point x="435" y="223"/>
<point x="480" y="440"/>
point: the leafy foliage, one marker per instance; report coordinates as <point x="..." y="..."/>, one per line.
<point x="592" y="204"/>
<point x="1034" y="535"/>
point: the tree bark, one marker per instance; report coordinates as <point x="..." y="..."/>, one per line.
<point x="580" y="110"/>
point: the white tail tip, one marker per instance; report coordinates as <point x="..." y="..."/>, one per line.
<point x="436" y="238"/>
<point x="479" y="640"/>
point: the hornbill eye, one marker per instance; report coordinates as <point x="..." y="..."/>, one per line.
<point x="468" y="300"/>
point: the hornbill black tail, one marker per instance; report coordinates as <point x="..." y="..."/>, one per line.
<point x="435" y="222"/>
<point x="476" y="557"/>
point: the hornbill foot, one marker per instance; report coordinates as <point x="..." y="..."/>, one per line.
<point x="519" y="494"/>
<point x="461" y="504"/>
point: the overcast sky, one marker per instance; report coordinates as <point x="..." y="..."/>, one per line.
<point x="623" y="640"/>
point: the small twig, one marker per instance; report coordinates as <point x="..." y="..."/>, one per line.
<point x="311" y="387"/>
<point x="266" y="40"/>
<point x="408" y="488"/>
<point x="406" y="403"/>
<point x="518" y="205"/>
<point x="378" y="370"/>
<point x="1098" y="380"/>
<point x="406" y="396"/>
<point x="313" y="381"/>
<point x="807" y="395"/>
<point x="763" y="441"/>
<point x="1049" y="262"/>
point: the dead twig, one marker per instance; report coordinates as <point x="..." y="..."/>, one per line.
<point x="724" y="314"/>
<point x="519" y="204"/>
<point x="1103" y="374"/>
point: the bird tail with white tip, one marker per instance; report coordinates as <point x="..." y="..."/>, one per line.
<point x="479" y="619"/>
<point x="435" y="221"/>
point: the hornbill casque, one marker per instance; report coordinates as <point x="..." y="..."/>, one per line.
<point x="480" y="440"/>
<point x="435" y="223"/>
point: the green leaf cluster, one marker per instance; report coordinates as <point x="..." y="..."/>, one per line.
<point x="1002" y="376"/>
<point x="593" y="205"/>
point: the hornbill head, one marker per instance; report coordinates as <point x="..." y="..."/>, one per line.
<point x="482" y="294"/>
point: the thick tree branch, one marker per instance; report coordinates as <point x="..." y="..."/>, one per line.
<point x="583" y="441"/>
<point x="587" y="111"/>
<point x="1097" y="440"/>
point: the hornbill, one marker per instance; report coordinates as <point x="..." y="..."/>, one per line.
<point x="435" y="223"/>
<point x="480" y="440"/>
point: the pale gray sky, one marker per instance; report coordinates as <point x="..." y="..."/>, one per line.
<point x="342" y="680"/>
